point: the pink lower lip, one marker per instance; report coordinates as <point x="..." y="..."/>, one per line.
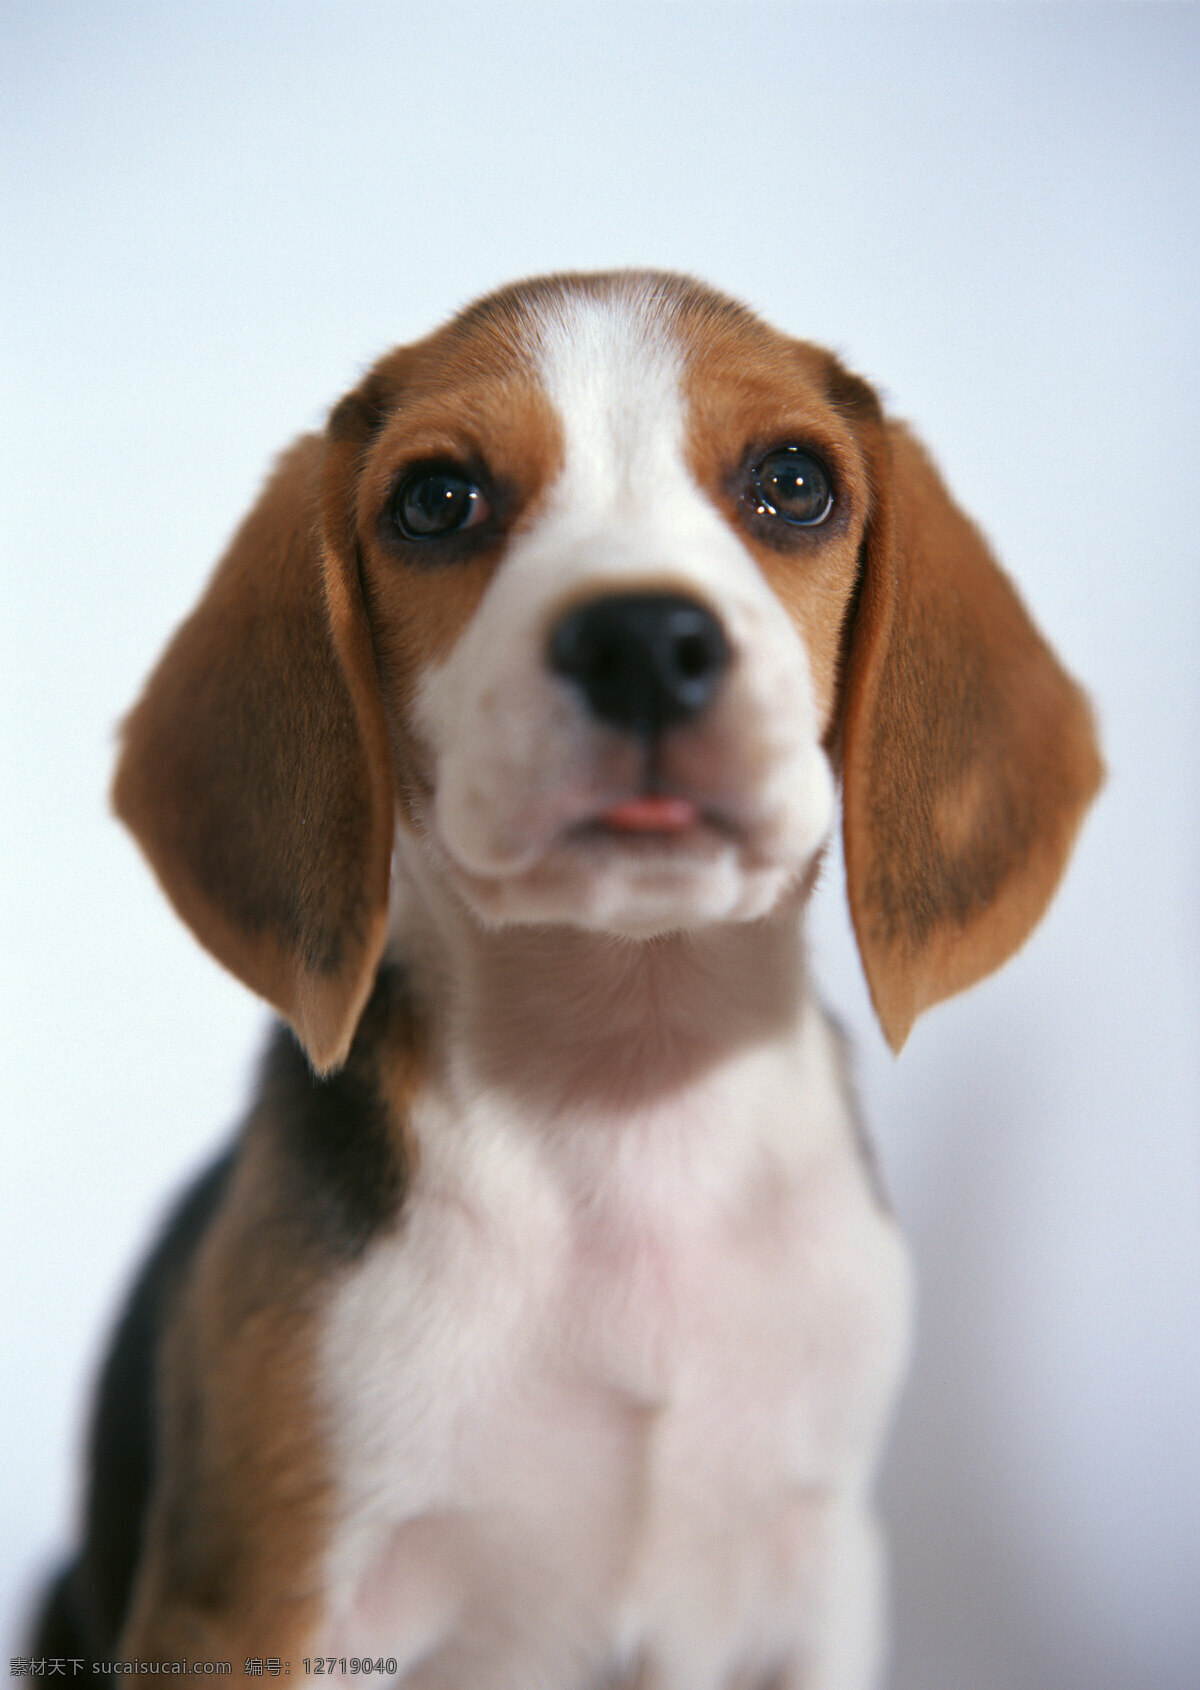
<point x="651" y="814"/>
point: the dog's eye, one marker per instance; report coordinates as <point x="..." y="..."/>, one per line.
<point x="437" y="500"/>
<point x="793" y="485"/>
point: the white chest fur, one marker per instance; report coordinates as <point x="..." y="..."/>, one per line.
<point x="609" y="1398"/>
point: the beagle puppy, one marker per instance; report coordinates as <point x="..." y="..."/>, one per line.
<point x="541" y="1327"/>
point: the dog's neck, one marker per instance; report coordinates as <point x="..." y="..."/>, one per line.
<point x="558" y="1016"/>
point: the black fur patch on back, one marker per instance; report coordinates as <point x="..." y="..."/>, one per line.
<point x="343" y="1169"/>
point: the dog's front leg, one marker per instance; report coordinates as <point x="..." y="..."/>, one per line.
<point x="234" y="1530"/>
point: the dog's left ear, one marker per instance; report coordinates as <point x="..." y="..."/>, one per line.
<point x="255" y="771"/>
<point x="969" y="755"/>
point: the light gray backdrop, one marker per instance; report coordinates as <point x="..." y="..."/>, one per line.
<point x="216" y="215"/>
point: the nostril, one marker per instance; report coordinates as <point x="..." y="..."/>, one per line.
<point x="693" y="646"/>
<point x="602" y="659"/>
<point x="641" y="660"/>
<point x="693" y="656"/>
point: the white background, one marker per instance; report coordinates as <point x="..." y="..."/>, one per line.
<point x="216" y="215"/>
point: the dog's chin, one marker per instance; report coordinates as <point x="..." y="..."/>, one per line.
<point x="634" y="886"/>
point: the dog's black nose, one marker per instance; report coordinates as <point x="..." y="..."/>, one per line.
<point x="643" y="661"/>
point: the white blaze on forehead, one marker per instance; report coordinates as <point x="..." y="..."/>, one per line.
<point x="611" y="367"/>
<point x="625" y="507"/>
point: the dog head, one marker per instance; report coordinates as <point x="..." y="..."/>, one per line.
<point x="594" y="594"/>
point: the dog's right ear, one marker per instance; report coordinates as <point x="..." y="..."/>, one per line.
<point x="255" y="770"/>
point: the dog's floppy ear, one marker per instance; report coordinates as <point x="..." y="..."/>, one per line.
<point x="255" y="771"/>
<point x="969" y="755"/>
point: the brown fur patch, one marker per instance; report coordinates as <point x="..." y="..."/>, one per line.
<point x="254" y="779"/>
<point x="466" y="395"/>
<point x="970" y="754"/>
<point x="749" y="389"/>
<point x="239" y="1513"/>
<point x="243" y="1499"/>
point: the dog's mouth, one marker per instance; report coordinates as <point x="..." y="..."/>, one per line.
<point x="653" y="810"/>
<point x="653" y="813"/>
<point x="654" y="823"/>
